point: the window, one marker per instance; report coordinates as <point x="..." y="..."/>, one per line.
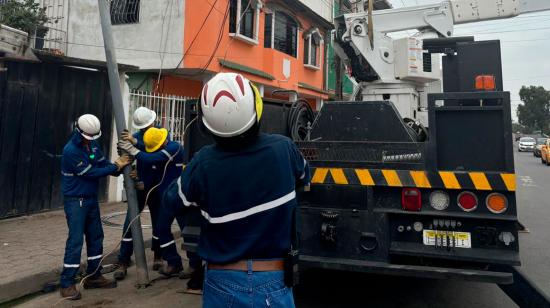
<point x="243" y="19"/>
<point x="285" y="36"/>
<point x="124" y="12"/>
<point x="268" y="26"/>
<point x="312" y="41"/>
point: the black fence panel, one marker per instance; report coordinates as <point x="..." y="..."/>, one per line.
<point x="39" y="103"/>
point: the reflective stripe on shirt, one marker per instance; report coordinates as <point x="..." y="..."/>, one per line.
<point x="85" y="170"/>
<point x="251" y="211"/>
<point x="182" y="196"/>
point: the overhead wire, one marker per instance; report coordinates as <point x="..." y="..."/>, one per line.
<point x="165" y="41"/>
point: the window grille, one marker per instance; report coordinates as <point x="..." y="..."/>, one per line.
<point x="124" y="12"/>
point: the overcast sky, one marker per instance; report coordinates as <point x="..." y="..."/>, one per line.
<point x="525" y="44"/>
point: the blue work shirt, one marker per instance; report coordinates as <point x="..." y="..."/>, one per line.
<point x="151" y="166"/>
<point x="246" y="198"/>
<point x="82" y="167"/>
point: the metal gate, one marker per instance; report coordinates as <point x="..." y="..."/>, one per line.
<point x="170" y="110"/>
<point x="38" y="105"/>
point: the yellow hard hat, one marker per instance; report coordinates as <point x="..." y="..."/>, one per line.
<point x="154" y="138"/>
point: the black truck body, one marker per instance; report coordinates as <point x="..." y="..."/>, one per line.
<point x="366" y="164"/>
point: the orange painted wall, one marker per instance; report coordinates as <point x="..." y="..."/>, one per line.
<point x="256" y="56"/>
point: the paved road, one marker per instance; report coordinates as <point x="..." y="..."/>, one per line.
<point x="533" y="196"/>
<point x="355" y="290"/>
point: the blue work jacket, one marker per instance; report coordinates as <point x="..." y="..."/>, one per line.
<point x="82" y="167"/>
<point x="151" y="166"/>
<point x="246" y="198"/>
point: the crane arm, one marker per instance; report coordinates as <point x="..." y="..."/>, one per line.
<point x="443" y="16"/>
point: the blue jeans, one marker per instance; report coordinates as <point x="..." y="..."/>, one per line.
<point x="127" y="245"/>
<point x="224" y="288"/>
<point x="83" y="219"/>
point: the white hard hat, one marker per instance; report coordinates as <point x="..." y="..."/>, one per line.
<point x="230" y="105"/>
<point x="89" y="127"/>
<point x="143" y="117"/>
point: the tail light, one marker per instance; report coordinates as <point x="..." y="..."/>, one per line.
<point x="485" y="82"/>
<point x="496" y="203"/>
<point x="411" y="199"/>
<point x="467" y="201"/>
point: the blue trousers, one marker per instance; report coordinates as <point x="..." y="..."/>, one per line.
<point x="224" y="288"/>
<point x="127" y="245"/>
<point x="167" y="213"/>
<point x="83" y="220"/>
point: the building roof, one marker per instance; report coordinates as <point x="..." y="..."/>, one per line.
<point x="302" y="9"/>
<point x="64" y="60"/>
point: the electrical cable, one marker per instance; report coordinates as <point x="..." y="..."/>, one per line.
<point x="162" y="56"/>
<point x="236" y="29"/>
<point x="299" y="120"/>
<point x="80" y="285"/>
<point x="220" y="36"/>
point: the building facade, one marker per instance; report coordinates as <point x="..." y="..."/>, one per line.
<point x="180" y="44"/>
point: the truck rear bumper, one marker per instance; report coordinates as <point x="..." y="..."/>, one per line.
<point x="405" y="270"/>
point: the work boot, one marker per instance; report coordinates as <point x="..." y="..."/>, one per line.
<point x="157" y="262"/>
<point x="70" y="293"/>
<point x="99" y="282"/>
<point x="169" y="270"/>
<point x="121" y="270"/>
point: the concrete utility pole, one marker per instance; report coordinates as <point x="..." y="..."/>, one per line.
<point x="114" y="81"/>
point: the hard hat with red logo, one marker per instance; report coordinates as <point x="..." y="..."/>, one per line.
<point x="230" y="105"/>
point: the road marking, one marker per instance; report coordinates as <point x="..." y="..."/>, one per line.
<point x="527" y="181"/>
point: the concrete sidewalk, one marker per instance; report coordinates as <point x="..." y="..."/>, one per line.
<point x="32" y="248"/>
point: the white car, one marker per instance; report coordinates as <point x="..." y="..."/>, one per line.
<point x="526" y="144"/>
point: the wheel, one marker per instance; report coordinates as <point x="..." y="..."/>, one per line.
<point x="542" y="160"/>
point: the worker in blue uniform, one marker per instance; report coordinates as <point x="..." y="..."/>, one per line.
<point x="143" y="119"/>
<point x="82" y="165"/>
<point x="245" y="188"/>
<point x="164" y="161"/>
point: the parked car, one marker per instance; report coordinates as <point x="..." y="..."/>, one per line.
<point x="538" y="146"/>
<point x="526" y="144"/>
<point x="545" y="153"/>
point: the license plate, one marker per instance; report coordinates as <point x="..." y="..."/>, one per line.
<point x="447" y="238"/>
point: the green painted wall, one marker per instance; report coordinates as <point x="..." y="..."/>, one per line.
<point x="347" y="84"/>
<point x="142" y="80"/>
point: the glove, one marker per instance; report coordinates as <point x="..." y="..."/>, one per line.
<point x="122" y="161"/>
<point x="126" y="136"/>
<point x="128" y="147"/>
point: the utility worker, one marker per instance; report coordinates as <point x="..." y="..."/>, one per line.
<point x="244" y="186"/>
<point x="163" y="159"/>
<point x="143" y="119"/>
<point x="82" y="165"/>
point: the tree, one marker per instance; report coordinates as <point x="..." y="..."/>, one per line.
<point x="534" y="113"/>
<point x="24" y="15"/>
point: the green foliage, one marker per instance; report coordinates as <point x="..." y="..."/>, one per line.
<point x="518" y="128"/>
<point x="24" y="15"/>
<point x="534" y="113"/>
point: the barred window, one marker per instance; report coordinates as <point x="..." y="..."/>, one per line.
<point x="124" y="12"/>
<point x="285" y="34"/>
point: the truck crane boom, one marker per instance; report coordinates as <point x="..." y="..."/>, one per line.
<point x="400" y="68"/>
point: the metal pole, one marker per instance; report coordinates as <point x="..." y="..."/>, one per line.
<point x="114" y="81"/>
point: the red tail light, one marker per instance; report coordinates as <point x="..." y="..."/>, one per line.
<point x="411" y="199"/>
<point x="467" y="201"/>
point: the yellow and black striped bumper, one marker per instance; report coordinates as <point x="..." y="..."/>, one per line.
<point x="415" y="178"/>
